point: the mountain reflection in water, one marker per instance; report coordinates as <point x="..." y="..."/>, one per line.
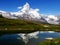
<point x="28" y="39"/>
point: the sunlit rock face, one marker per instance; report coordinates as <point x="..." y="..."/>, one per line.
<point x="25" y="8"/>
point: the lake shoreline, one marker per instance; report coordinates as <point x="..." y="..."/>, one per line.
<point x="3" y="32"/>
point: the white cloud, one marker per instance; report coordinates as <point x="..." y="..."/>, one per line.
<point x="19" y="7"/>
<point x="2" y="11"/>
<point x="37" y="9"/>
<point x="53" y="17"/>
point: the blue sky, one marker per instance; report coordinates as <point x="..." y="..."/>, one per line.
<point x="44" y="6"/>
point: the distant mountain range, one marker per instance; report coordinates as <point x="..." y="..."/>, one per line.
<point x="28" y="13"/>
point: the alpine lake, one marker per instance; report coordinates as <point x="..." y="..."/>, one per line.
<point x="32" y="38"/>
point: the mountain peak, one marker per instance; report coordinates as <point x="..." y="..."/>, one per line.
<point x="26" y="12"/>
<point x="25" y="8"/>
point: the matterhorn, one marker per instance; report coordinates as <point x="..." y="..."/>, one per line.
<point x="27" y="13"/>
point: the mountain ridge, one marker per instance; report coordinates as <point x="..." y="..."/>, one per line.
<point x="28" y="13"/>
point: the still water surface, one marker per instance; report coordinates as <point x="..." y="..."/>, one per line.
<point x="27" y="39"/>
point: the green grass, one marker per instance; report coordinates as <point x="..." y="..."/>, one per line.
<point x="51" y="42"/>
<point x="17" y="24"/>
